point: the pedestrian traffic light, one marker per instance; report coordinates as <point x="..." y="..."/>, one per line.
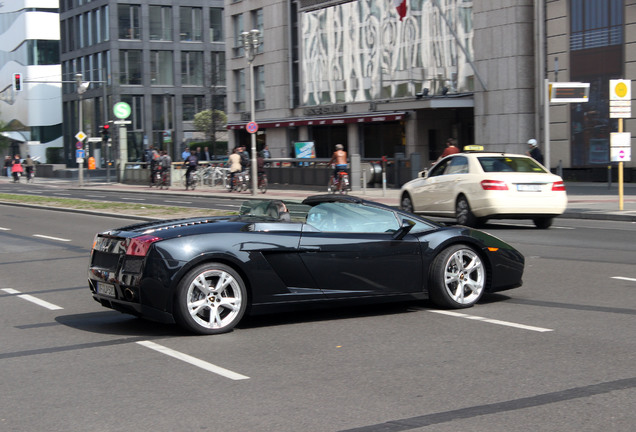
<point x="17" y="82"/>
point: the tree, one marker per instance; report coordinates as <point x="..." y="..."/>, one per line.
<point x="208" y="122"/>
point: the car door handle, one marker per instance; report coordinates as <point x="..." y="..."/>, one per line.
<point x="310" y="248"/>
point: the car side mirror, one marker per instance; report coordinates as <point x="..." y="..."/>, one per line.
<point x="406" y="227"/>
<point x="423" y="174"/>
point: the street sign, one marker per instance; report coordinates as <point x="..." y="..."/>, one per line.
<point x="94" y="139"/>
<point x="620" y="146"/>
<point x="122" y="122"/>
<point x="80" y="136"/>
<point x="80" y="154"/>
<point x="569" y="92"/>
<point x="121" y="110"/>
<point x="620" y="104"/>
<point x="251" y="127"/>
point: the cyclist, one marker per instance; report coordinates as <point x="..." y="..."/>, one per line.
<point x="339" y="157"/>
<point x="165" y="161"/>
<point x="234" y="161"/>
<point x="192" y="162"/>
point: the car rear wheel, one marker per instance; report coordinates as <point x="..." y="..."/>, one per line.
<point x="406" y="203"/>
<point x="543" y="222"/>
<point x="463" y="214"/>
<point x="458" y="277"/>
<point x="211" y="299"/>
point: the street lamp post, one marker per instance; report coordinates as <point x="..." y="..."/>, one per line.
<point x="251" y="41"/>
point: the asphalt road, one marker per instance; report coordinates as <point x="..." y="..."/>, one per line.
<point x="554" y="355"/>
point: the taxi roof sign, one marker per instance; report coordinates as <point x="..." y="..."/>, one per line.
<point x="473" y="148"/>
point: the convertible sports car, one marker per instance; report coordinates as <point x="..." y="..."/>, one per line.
<point x="206" y="273"/>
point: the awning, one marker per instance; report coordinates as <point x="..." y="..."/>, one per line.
<point x="376" y="117"/>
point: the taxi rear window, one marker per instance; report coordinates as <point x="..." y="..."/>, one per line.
<point x="509" y="164"/>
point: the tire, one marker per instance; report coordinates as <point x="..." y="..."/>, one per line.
<point x="463" y="214"/>
<point x="330" y="186"/>
<point x="406" y="203"/>
<point x="211" y="299"/>
<point x="458" y="277"/>
<point x="543" y="222"/>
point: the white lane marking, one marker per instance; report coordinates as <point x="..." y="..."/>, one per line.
<point x="134" y="199"/>
<point x="491" y="321"/>
<point x="96" y="196"/>
<point x="5" y="229"/>
<point x="61" y="194"/>
<point x="51" y="238"/>
<point x="624" y="278"/>
<point x="178" y="202"/>
<point x="193" y="361"/>
<point x="32" y="299"/>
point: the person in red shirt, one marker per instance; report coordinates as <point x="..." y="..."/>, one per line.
<point x="449" y="150"/>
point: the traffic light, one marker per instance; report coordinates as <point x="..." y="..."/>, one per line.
<point x="105" y="131"/>
<point x="17" y="82"/>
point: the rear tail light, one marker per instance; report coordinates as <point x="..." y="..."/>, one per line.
<point x="139" y="246"/>
<point x="494" y="185"/>
<point x="558" y="186"/>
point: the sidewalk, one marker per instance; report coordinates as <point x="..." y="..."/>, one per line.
<point x="585" y="200"/>
<point x="598" y="201"/>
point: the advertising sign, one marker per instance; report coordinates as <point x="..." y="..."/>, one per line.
<point x="305" y="149"/>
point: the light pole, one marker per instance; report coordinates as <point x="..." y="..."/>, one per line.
<point x="81" y="88"/>
<point x="251" y="41"/>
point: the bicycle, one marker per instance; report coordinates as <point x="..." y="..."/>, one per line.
<point x="339" y="184"/>
<point x="191" y="181"/>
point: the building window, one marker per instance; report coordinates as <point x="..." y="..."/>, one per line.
<point x="257" y="23"/>
<point x="136" y="111"/>
<point x="191" y="106"/>
<point x="128" y="20"/>
<point x="104" y="24"/>
<point x="237" y="28"/>
<point x="130" y="67"/>
<point x="161" y="68"/>
<point x="192" y="68"/>
<point x="191" y="24"/>
<point x="216" y="25"/>
<point x="160" y="23"/>
<point x="595" y="23"/>
<point x="218" y="69"/>
<point x="239" y="81"/>
<point x="259" y="87"/>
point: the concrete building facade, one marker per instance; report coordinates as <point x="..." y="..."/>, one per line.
<point x="359" y="74"/>
<point x="29" y="37"/>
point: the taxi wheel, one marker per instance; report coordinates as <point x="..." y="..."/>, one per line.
<point x="463" y="214"/>
<point x="543" y="222"/>
<point x="406" y="203"/>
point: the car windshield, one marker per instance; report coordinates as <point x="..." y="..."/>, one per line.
<point x="509" y="164"/>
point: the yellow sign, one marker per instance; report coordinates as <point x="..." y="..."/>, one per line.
<point x="620" y="89"/>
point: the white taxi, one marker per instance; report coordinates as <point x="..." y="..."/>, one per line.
<point x="474" y="187"/>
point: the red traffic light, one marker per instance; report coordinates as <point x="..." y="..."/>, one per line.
<point x="106" y="126"/>
<point x="17" y="82"/>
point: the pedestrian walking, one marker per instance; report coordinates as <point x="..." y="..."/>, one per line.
<point x="16" y="168"/>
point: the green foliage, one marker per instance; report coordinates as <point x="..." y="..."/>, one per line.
<point x="207" y="121"/>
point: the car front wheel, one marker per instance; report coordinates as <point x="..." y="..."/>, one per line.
<point x="211" y="299"/>
<point x="406" y="203"/>
<point x="458" y="277"/>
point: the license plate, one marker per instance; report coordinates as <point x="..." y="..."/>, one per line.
<point x="529" y="188"/>
<point x="106" y="289"/>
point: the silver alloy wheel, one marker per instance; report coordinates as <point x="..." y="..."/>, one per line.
<point x="464" y="277"/>
<point x="214" y="299"/>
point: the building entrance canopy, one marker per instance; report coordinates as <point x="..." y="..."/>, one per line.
<point x="375" y="117"/>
